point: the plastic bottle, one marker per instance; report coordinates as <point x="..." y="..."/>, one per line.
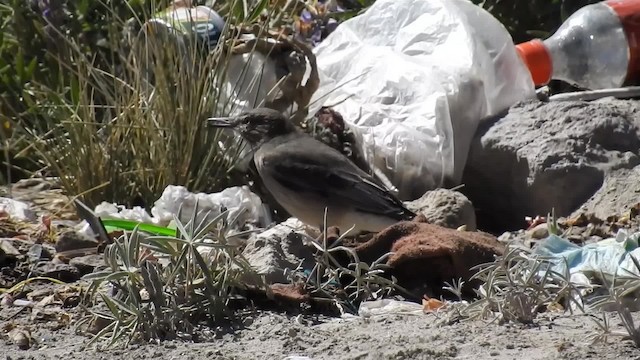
<point x="202" y="21"/>
<point x="597" y="47"/>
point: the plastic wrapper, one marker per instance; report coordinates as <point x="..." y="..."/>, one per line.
<point x="414" y="78"/>
<point x="243" y="206"/>
<point x="17" y="209"/>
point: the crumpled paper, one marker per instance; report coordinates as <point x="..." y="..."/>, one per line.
<point x="240" y="201"/>
<point x="414" y="78"/>
<point x="17" y="209"/>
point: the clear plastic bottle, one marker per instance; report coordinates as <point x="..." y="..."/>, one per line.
<point x="597" y="47"/>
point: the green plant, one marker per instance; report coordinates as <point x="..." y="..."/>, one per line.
<point x="163" y="286"/>
<point x="621" y="291"/>
<point x="518" y="285"/>
<point x="121" y="131"/>
<point x="347" y="285"/>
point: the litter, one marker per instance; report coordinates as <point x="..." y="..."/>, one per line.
<point x="593" y="264"/>
<point x="239" y="201"/>
<point x="595" y="48"/>
<point x="389" y="306"/>
<point x="610" y="256"/>
<point x="413" y="78"/>
<point x="17" y="209"/>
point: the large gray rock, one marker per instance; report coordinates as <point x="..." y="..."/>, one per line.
<point x="560" y="155"/>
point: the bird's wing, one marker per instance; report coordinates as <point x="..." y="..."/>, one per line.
<point x="307" y="165"/>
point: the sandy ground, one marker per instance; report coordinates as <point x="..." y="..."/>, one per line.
<point x="268" y="335"/>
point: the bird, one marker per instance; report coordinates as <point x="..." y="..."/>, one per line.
<point x="306" y="176"/>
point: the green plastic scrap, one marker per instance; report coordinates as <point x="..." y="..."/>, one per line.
<point x="128" y="225"/>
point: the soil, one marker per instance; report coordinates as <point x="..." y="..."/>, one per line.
<point x="269" y="335"/>
<point x="262" y="334"/>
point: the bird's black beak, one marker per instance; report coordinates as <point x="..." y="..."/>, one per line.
<point x="223" y="122"/>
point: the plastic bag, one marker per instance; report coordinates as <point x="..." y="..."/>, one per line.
<point x="243" y="206"/>
<point x="414" y="78"/>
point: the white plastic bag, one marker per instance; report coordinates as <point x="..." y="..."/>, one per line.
<point x="414" y="78"/>
<point x="243" y="205"/>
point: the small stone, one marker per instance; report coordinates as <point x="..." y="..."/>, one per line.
<point x="62" y="272"/>
<point x="38" y="252"/>
<point x="494" y="353"/>
<point x="7" y="248"/>
<point x="8" y="252"/>
<point x="539" y="231"/>
<point x="446" y="208"/>
<point x="88" y="263"/>
<point x="71" y="240"/>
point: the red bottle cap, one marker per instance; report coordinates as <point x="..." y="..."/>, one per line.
<point x="536" y="56"/>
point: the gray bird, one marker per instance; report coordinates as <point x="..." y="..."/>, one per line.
<point x="305" y="175"/>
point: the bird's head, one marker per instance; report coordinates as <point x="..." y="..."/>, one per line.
<point x="257" y="125"/>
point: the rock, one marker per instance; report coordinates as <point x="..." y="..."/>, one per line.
<point x="277" y="249"/>
<point x="72" y="240"/>
<point x="446" y="208"/>
<point x="539" y="231"/>
<point x="88" y="263"/>
<point x="39" y="252"/>
<point x="62" y="272"/>
<point x="544" y="156"/>
<point x="8" y="252"/>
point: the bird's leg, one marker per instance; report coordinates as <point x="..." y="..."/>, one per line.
<point x="320" y="238"/>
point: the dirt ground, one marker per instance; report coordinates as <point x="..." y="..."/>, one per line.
<point x="271" y="335"/>
<point x="268" y="335"/>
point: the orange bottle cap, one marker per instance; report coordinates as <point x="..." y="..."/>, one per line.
<point x="536" y="56"/>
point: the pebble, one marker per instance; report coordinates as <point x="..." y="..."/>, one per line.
<point x="539" y="231"/>
<point x="71" y="240"/>
<point x="62" y="272"/>
<point x="88" y="263"/>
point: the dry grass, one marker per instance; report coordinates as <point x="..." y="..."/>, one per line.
<point x="124" y="133"/>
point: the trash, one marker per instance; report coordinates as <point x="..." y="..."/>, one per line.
<point x="184" y="19"/>
<point x="17" y="209"/>
<point x="414" y="78"/>
<point x="239" y="201"/>
<point x="592" y="264"/>
<point x="595" y="48"/>
<point x="432" y="304"/>
<point x="389" y="306"/>
<point x="425" y="255"/>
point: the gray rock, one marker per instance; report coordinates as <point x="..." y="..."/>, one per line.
<point x="544" y="156"/>
<point x="39" y="252"/>
<point x="277" y="249"/>
<point x="72" y="240"/>
<point x="446" y="208"/>
<point x="8" y="253"/>
<point x="88" y="263"/>
<point x="62" y="272"/>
